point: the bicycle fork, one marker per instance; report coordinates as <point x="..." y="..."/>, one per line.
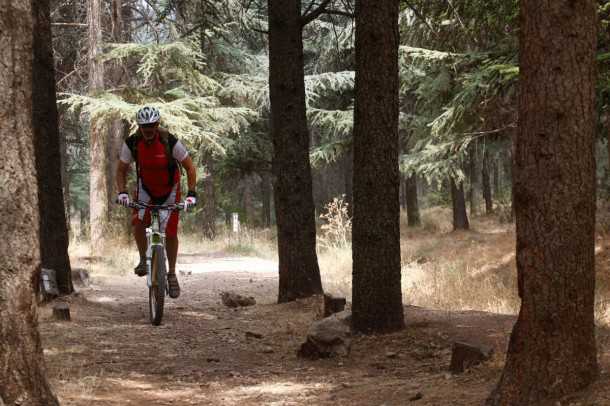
<point x="153" y="238"/>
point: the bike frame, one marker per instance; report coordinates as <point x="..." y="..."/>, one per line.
<point x="154" y="237"/>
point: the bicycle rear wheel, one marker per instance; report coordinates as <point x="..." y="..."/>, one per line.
<point x="156" y="293"/>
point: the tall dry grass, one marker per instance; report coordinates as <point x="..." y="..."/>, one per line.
<point x="119" y="255"/>
<point x="441" y="269"/>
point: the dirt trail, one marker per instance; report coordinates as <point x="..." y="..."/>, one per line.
<point x="110" y="355"/>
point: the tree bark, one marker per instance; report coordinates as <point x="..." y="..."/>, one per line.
<point x="116" y="129"/>
<point x="248" y="201"/>
<point x="486" y="184"/>
<point x="67" y="47"/>
<point x="54" y="238"/>
<point x="608" y="168"/>
<point x="299" y="273"/>
<point x="552" y="350"/>
<point x="209" y="199"/>
<point x="349" y="181"/>
<point x="413" y="217"/>
<point x="460" y="216"/>
<point x="98" y="181"/>
<point x="376" y="290"/>
<point x="473" y="180"/>
<point x="402" y="192"/>
<point x="496" y="178"/>
<point x="22" y="371"/>
<point x="266" y="199"/>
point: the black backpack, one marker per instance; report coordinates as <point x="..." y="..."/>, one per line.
<point x="169" y="141"/>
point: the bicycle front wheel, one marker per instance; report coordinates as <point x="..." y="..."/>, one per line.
<point x="156" y="293"/>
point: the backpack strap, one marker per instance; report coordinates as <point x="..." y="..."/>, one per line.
<point x="132" y="143"/>
<point x="169" y="141"/>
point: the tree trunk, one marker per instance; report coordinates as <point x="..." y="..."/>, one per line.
<point x="295" y="213"/>
<point x="460" y="217"/>
<point x="496" y="178"/>
<point x="65" y="65"/>
<point x="473" y="180"/>
<point x="608" y="168"/>
<point x="116" y="129"/>
<point x="376" y="291"/>
<point x="248" y="201"/>
<point x="266" y="199"/>
<point x="402" y="192"/>
<point x="413" y="217"/>
<point x="22" y="375"/>
<point x="209" y="199"/>
<point x="53" y="228"/>
<point x="98" y="181"/>
<point x="65" y="174"/>
<point x="349" y="181"/>
<point x="552" y="350"/>
<point x="486" y="184"/>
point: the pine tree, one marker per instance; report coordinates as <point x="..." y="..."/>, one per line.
<point x="53" y="227"/>
<point x="22" y="375"/>
<point x="295" y="212"/>
<point x="377" y="298"/>
<point x="552" y="349"/>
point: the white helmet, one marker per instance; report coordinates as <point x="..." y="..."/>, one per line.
<point x="148" y="115"/>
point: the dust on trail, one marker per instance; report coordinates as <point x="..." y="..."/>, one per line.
<point x="109" y="354"/>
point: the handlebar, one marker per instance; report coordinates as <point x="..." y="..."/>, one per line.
<point x="155" y="207"/>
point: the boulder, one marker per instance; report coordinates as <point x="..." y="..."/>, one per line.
<point x="80" y="277"/>
<point x="328" y="337"/>
<point x="464" y="356"/>
<point x="232" y="299"/>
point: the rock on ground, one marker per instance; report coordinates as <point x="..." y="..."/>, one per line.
<point x="328" y="337"/>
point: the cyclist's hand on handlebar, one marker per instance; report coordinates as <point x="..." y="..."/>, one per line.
<point x="123" y="199"/>
<point x="191" y="199"/>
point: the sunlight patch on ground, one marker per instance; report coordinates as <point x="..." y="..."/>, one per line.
<point x="231" y="264"/>
<point x="275" y="393"/>
<point x="199" y="315"/>
<point x="103" y="299"/>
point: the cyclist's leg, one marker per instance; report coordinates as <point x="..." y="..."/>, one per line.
<point x="171" y="247"/>
<point x="141" y="219"/>
<point x="169" y="224"/>
<point x="139" y="232"/>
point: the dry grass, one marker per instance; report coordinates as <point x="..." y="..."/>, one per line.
<point x="336" y="271"/>
<point x="259" y="243"/>
<point x="119" y="255"/>
<point x="441" y="269"/>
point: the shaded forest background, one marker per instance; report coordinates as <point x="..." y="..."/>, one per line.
<point x="344" y="134"/>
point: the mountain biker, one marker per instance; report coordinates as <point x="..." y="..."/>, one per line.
<point x="156" y="153"/>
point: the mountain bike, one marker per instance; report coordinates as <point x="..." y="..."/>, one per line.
<point x="156" y="276"/>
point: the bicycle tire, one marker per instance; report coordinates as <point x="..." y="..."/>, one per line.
<point x="156" y="293"/>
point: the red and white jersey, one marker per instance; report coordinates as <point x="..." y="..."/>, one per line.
<point x="153" y="165"/>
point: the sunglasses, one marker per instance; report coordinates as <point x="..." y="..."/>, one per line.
<point x="151" y="125"/>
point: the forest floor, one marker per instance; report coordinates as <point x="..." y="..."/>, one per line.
<point x="109" y="354"/>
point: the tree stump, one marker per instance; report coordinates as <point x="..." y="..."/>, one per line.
<point x="333" y="304"/>
<point x="61" y="311"/>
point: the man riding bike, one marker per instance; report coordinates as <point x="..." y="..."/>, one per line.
<point x="156" y="153"/>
